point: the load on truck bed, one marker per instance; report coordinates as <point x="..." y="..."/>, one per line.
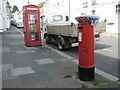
<point x="64" y="32"/>
<point x="62" y="28"/>
<point x="70" y="29"/>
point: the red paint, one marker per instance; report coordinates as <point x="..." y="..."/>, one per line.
<point x="31" y="19"/>
<point x="86" y="45"/>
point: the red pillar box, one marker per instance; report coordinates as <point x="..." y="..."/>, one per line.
<point x="31" y="19"/>
<point x="86" y="46"/>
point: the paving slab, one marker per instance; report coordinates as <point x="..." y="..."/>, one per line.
<point x="7" y="67"/>
<point x="5" y="49"/>
<point x="16" y="48"/>
<point x="17" y="43"/>
<point x="46" y="67"/>
<point x="30" y="48"/>
<point x="22" y="71"/>
<point x="6" y="72"/>
<point x="61" y="83"/>
<point x="25" y="51"/>
<point x="44" y="61"/>
<point x="34" y="78"/>
<point x="12" y="83"/>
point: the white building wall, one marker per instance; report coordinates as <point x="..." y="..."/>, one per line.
<point x="4" y="16"/>
<point x="106" y="9"/>
<point x="7" y="18"/>
<point x="1" y="15"/>
<point x="70" y="8"/>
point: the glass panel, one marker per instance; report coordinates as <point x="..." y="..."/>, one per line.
<point x="33" y="21"/>
<point x="32" y="16"/>
<point x="33" y="25"/>
<point x="57" y="18"/>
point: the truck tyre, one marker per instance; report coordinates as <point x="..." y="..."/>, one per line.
<point x="61" y="43"/>
<point x="48" y="39"/>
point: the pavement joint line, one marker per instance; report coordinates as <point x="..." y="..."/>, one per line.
<point x="98" y="71"/>
<point x="21" y="32"/>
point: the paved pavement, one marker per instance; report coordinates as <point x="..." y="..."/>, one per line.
<point x="39" y="67"/>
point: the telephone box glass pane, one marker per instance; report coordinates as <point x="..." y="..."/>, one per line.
<point x="33" y="22"/>
<point x="33" y="25"/>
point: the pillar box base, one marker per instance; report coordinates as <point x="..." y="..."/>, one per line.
<point x="86" y="74"/>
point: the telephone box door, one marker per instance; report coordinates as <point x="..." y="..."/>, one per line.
<point x="32" y="25"/>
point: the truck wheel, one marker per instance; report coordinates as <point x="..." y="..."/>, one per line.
<point x="48" y="39"/>
<point x="61" y="43"/>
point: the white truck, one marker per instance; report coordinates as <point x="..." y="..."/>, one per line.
<point x="58" y="29"/>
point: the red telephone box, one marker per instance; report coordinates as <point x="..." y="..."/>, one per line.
<point x="86" y="46"/>
<point x="31" y="19"/>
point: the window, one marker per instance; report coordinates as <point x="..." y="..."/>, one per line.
<point x="33" y="21"/>
<point x="67" y="18"/>
<point x="57" y="18"/>
<point x="94" y="2"/>
<point x="3" y="6"/>
<point x="0" y="5"/>
<point x="93" y="12"/>
<point x="118" y="8"/>
<point x="85" y="4"/>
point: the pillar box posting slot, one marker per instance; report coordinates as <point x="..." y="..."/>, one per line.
<point x="31" y="19"/>
<point x="86" y="46"/>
